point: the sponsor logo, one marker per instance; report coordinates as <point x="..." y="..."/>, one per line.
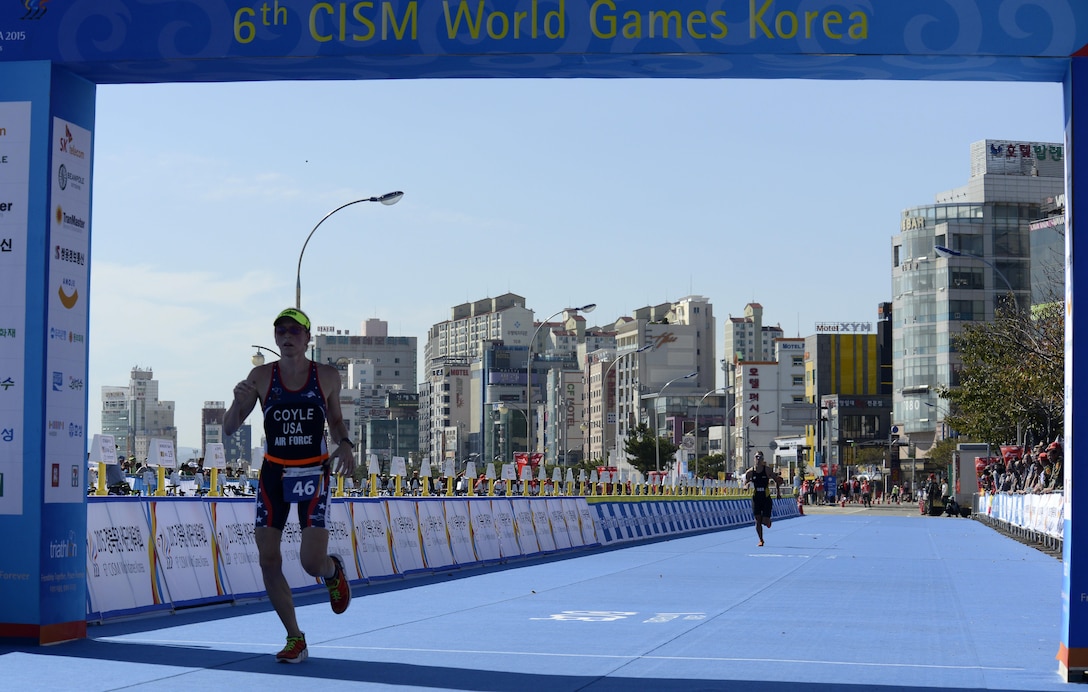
<point x="35" y="9"/>
<point x="68" y="301"/>
<point x="7" y="434"/>
<point x="7" y="383"/>
<point x="58" y="381"/>
<point x="75" y="383"/>
<point x="663" y="339"/>
<point x="63" y="218"/>
<point x="75" y="430"/>
<point x="58" y="334"/>
<point x="54" y="427"/>
<point x="65" y="176"/>
<point x="5" y="244"/>
<point x="64" y="254"/>
<point x="64" y="548"/>
<point x="68" y="144"/>
<point x="7" y="332"/>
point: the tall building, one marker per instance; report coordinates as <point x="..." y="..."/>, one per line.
<point x="452" y="394"/>
<point x="236" y="448"/>
<point x="760" y="390"/>
<point x="134" y="415"/>
<point x="649" y="385"/>
<point x="1048" y="252"/>
<point x="747" y="338"/>
<point x="987" y="222"/>
<point x="374" y="367"/>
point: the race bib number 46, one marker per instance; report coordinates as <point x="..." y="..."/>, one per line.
<point x="302" y="484"/>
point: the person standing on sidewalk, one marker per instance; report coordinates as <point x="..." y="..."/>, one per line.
<point x="760" y="478"/>
<point x="299" y="398"/>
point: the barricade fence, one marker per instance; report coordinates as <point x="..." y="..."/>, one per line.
<point x="1038" y="517"/>
<point x="162" y="553"/>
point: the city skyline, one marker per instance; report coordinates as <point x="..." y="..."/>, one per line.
<point x="624" y="193"/>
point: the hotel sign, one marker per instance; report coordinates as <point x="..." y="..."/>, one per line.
<point x="843" y="327"/>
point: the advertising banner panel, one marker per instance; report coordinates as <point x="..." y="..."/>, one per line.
<point x="120" y="580"/>
<point x="432" y="528"/>
<point x="485" y="537"/>
<point x="458" y="524"/>
<point x="182" y="534"/>
<point x="523" y="526"/>
<point x="404" y="529"/>
<point x="372" y="539"/>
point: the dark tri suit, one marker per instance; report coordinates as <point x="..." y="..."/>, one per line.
<point x="761" y="499"/>
<point x="294" y="429"/>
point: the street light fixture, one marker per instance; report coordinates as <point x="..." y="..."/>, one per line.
<point x="529" y="372"/>
<point x="947" y="253"/>
<point x="604" y="401"/>
<point x="258" y="357"/>
<point x="387" y="199"/>
<point x="726" y="389"/>
<point x="657" y="440"/>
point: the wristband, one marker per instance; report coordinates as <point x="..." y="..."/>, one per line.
<point x="348" y="442"/>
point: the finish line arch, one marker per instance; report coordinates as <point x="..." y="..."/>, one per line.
<point x="53" y="53"/>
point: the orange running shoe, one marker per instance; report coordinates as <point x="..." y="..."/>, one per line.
<point x="339" y="588"/>
<point x="294" y="652"/>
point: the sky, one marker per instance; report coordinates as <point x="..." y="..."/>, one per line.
<point x="623" y="193"/>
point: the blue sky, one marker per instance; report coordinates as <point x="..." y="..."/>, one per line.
<point x="624" y="193"/>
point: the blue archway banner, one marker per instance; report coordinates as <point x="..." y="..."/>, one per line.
<point x="237" y="40"/>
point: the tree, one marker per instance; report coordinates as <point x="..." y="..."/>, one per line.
<point x="640" y="450"/>
<point x="711" y="465"/>
<point x="1012" y="382"/>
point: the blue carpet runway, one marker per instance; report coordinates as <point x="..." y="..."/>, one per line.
<point x="842" y="601"/>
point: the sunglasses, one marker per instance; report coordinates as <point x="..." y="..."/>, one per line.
<point x="293" y="330"/>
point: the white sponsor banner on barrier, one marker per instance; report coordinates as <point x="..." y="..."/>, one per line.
<point x="484" y="536"/>
<point x="372" y="553"/>
<point x="339" y="526"/>
<point x="542" y="526"/>
<point x="236" y="549"/>
<point x="291" y="550"/>
<point x="432" y="527"/>
<point x="458" y="525"/>
<point x="570" y="513"/>
<point x="523" y="525"/>
<point x="502" y="514"/>
<point x="182" y="533"/>
<point x="1040" y="513"/>
<point x="558" y="520"/>
<point x="587" y="518"/>
<point x="119" y="574"/>
<point x="404" y="530"/>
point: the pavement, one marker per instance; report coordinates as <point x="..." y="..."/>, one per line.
<point x="851" y="599"/>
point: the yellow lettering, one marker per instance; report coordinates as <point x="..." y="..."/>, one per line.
<point x="244" y="31"/>
<point x="757" y="19"/>
<point x="717" y="18"/>
<point x="321" y="6"/>
<point x="608" y="20"/>
<point x="559" y="17"/>
<point x="694" y="18"/>
<point x="389" y="19"/>
<point x="519" y="17"/>
<point x="780" y="22"/>
<point x="463" y="11"/>
<point x="860" y="28"/>
<point x="665" y="18"/>
<point x="357" y="13"/>
<point x="633" y="27"/>
<point x="497" y="19"/>
<point x="830" y="18"/>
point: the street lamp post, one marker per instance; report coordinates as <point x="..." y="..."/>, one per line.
<point x="604" y="402"/>
<point x="657" y="440"/>
<point x="697" y="407"/>
<point x="945" y="252"/>
<point x="529" y="372"/>
<point x="387" y="199"/>
<point x="258" y="357"/>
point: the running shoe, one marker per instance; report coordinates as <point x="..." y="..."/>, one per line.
<point x="294" y="652"/>
<point x="339" y="588"/>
